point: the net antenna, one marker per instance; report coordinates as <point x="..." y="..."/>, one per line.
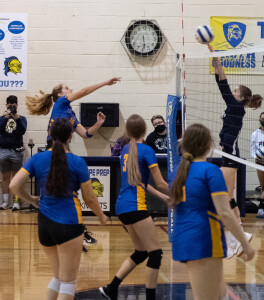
<point x="204" y="103"/>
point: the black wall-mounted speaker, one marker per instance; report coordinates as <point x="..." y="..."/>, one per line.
<point x="89" y="112"/>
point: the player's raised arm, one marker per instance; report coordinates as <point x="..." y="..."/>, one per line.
<point x="89" y="89"/>
<point x="217" y="65"/>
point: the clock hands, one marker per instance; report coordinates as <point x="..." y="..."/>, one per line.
<point x="144" y="45"/>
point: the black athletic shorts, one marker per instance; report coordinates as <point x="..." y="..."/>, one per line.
<point x="133" y="216"/>
<point x="52" y="233"/>
<point x="227" y="162"/>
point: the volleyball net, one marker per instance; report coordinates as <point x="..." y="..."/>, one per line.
<point x="203" y="100"/>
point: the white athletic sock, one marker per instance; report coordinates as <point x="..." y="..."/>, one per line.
<point x="5" y="197"/>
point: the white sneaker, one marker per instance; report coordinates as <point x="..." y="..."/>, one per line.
<point x="16" y="207"/>
<point x="4" y="205"/>
<point x="232" y="248"/>
<point x="240" y="248"/>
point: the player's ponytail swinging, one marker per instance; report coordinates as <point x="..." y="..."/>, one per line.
<point x="252" y="101"/>
<point x="136" y="129"/>
<point x="41" y="105"/>
<point x="196" y="142"/>
<point x="59" y="174"/>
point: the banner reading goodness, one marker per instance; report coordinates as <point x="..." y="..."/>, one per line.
<point x="238" y="33"/>
<point x="13" y="51"/>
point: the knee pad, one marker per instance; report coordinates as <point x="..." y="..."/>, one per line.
<point x="68" y="288"/>
<point x="54" y="284"/>
<point x="233" y="203"/>
<point x="139" y="256"/>
<point x="154" y="260"/>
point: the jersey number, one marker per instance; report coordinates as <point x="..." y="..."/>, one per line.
<point x="125" y="162"/>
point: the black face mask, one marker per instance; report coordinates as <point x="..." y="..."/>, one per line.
<point x="160" y="128"/>
<point x="261" y="123"/>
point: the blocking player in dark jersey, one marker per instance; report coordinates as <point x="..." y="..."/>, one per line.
<point x="137" y="162"/>
<point x="201" y="203"/>
<point x="60" y="175"/>
<point x="236" y="101"/>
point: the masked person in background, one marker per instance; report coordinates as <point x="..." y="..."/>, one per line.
<point x="12" y="128"/>
<point x="157" y="139"/>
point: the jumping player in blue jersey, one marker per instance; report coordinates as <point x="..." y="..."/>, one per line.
<point x="63" y="96"/>
<point x="236" y="101"/>
<point x="60" y="175"/>
<point x="200" y="198"/>
<point x="137" y="162"/>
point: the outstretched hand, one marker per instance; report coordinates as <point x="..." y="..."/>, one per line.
<point x="101" y="117"/>
<point x="113" y="80"/>
<point x="210" y="47"/>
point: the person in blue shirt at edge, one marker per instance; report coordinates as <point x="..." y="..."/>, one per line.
<point x="236" y="101"/>
<point x="12" y="128"/>
<point x="60" y="175"/>
<point x="200" y="200"/>
<point x="62" y="97"/>
<point x="137" y="162"/>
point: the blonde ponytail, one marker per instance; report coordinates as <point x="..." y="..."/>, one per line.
<point x="39" y="105"/>
<point x="133" y="172"/>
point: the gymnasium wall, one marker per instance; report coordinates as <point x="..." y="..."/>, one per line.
<point x="78" y="43"/>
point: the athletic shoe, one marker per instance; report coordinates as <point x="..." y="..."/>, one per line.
<point x="84" y="250"/>
<point x="4" y="205"/>
<point x="232" y="249"/>
<point x="16" y="207"/>
<point x="88" y="240"/>
<point x="260" y="213"/>
<point x="107" y="293"/>
<point x="240" y="248"/>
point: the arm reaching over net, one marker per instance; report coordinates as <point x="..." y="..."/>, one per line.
<point x="217" y="65"/>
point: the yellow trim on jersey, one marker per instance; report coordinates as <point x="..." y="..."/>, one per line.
<point x="141" y="198"/>
<point x="219" y="193"/>
<point x="88" y="181"/>
<point x="151" y="166"/>
<point x="79" y="125"/>
<point x="183" y="194"/>
<point x="24" y="170"/>
<point x="216" y="235"/>
<point x="78" y="209"/>
<point x="213" y="215"/>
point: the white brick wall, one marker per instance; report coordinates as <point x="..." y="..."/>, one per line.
<point x="77" y="42"/>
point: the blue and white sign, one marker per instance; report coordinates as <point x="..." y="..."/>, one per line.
<point x="13" y="51"/>
<point x="234" y="32"/>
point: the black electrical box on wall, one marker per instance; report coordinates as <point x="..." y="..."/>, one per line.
<point x="89" y="112"/>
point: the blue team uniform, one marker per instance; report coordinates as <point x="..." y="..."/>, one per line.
<point x="66" y="209"/>
<point x="198" y="232"/>
<point x="62" y="109"/>
<point x="132" y="198"/>
<point x="232" y="118"/>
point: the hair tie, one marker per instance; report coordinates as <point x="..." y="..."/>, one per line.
<point x="187" y="156"/>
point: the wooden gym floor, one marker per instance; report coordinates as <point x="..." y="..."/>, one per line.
<point x="25" y="272"/>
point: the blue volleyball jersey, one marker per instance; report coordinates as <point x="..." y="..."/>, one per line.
<point x="66" y="209"/>
<point x="233" y="116"/>
<point x="133" y="198"/>
<point x="198" y="232"/>
<point x="62" y="109"/>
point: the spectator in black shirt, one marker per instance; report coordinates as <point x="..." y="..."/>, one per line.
<point x="158" y="138"/>
<point x="12" y="128"/>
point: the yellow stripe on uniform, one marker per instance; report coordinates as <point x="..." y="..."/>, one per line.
<point x="78" y="209"/>
<point x="24" y="170"/>
<point x="141" y="199"/>
<point x="183" y="194"/>
<point x="219" y="193"/>
<point x="216" y="234"/>
<point x="151" y="166"/>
